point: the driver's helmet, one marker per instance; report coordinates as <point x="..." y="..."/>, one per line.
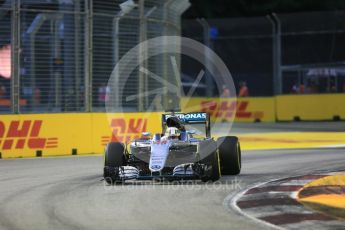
<point x="172" y="133"/>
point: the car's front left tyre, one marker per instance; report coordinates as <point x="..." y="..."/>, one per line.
<point x="214" y="173"/>
<point x="114" y="159"/>
<point x="230" y="155"/>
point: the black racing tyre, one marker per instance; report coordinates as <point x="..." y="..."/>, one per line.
<point x="114" y="158"/>
<point x="215" y="173"/>
<point x="114" y="155"/>
<point x="230" y="155"/>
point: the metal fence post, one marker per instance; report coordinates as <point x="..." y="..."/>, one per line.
<point x="57" y="74"/>
<point x="116" y="53"/>
<point x="77" y="53"/>
<point x="277" y="55"/>
<point x="208" y="43"/>
<point x="142" y="38"/>
<point x="15" y="65"/>
<point x="88" y="53"/>
<point x="165" y="100"/>
<point x="145" y="54"/>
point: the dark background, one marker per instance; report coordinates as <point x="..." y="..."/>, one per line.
<point x="312" y="34"/>
<point x="250" y="8"/>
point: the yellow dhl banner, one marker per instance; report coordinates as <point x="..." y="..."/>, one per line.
<point x="62" y="134"/>
<point x="310" y="107"/>
<point x="83" y="133"/>
<point x="229" y="109"/>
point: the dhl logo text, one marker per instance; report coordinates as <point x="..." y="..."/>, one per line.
<point x="229" y="109"/>
<point x="123" y="131"/>
<point x="24" y="134"/>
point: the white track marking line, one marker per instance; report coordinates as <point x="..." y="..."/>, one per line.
<point x="294" y="194"/>
<point x="265" y="195"/>
<point x="264" y="211"/>
<point x="297" y="182"/>
<point x="332" y="146"/>
<point x="239" y="210"/>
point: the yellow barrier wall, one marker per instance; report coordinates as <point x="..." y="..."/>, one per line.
<point x="310" y="107"/>
<point x="59" y="134"/>
<point x="222" y="109"/>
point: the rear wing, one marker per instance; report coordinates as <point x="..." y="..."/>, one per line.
<point x="190" y="118"/>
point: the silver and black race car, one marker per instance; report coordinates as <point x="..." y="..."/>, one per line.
<point x="176" y="153"/>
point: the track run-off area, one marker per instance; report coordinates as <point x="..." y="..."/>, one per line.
<point x="68" y="192"/>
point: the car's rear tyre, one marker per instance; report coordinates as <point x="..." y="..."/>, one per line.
<point x="230" y="155"/>
<point x="114" y="158"/>
<point x="214" y="174"/>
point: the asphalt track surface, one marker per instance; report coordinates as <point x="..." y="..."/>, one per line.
<point x="67" y="192"/>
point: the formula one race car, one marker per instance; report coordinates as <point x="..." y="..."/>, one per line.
<point x="177" y="153"/>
